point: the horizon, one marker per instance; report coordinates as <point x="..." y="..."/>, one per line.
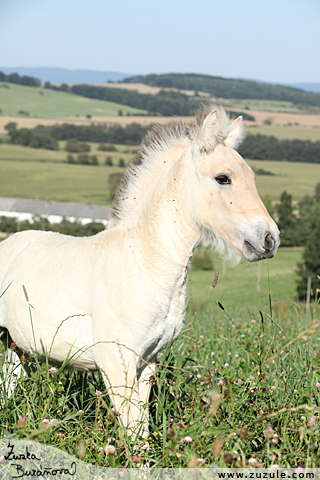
<point x="15" y="69"/>
<point x="249" y="41"/>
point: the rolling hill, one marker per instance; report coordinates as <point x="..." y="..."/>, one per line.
<point x="38" y="102"/>
<point x="229" y="88"/>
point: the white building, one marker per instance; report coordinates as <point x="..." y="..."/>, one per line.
<point x="54" y="211"/>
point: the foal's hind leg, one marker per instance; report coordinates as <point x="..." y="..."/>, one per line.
<point x="12" y="367"/>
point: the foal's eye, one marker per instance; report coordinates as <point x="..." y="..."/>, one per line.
<point x="223" y="180"/>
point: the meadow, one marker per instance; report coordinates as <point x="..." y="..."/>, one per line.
<point x="285" y="132"/>
<point x="46" y="103"/>
<point x="238" y="388"/>
<point x="38" y="173"/>
<point x="269" y="106"/>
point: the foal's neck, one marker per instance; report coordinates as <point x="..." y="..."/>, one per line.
<point x="166" y="226"/>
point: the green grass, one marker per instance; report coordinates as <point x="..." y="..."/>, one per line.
<point x="58" y="181"/>
<point x="46" y="103"/>
<point x="286" y="132"/>
<point x="236" y="285"/>
<point x="20" y="153"/>
<point x="299" y="179"/>
<point x="269" y="106"/>
<point x="222" y="383"/>
<point x="46" y="172"/>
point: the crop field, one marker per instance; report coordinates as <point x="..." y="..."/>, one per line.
<point x="46" y="103"/>
<point x="238" y="388"/>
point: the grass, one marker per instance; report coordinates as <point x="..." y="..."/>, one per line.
<point x="46" y="103"/>
<point x="286" y="132"/>
<point x="58" y="181"/>
<point x="239" y="283"/>
<point x="299" y="179"/>
<point x="20" y="153"/>
<point x="37" y="173"/>
<point x="241" y="387"/>
<point x="269" y="106"/>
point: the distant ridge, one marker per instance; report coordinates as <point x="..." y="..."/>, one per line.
<point x="309" y="87"/>
<point x="64" y="75"/>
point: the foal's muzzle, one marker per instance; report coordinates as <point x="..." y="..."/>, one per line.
<point x="262" y="245"/>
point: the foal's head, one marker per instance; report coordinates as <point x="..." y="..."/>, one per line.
<point x="229" y="209"/>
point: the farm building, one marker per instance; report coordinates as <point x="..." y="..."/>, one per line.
<point x="22" y="209"/>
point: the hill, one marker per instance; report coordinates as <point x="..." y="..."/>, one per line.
<point x="229" y="88"/>
<point x="64" y="75"/>
<point x="46" y="103"/>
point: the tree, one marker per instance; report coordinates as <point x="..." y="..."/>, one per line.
<point x="304" y="206"/>
<point x="121" y="163"/>
<point x="310" y="267"/>
<point x="94" y="160"/>
<point x="286" y="220"/>
<point x="267" y="200"/>
<point x="113" y="182"/>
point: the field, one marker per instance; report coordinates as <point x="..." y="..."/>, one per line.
<point x="38" y="173"/>
<point x="247" y="285"/>
<point x="286" y="132"/>
<point x="46" y="103"/>
<point x="238" y="388"/>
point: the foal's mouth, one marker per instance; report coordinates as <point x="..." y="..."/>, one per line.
<point x="260" y="254"/>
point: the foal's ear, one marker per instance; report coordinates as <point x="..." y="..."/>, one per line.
<point x="235" y="134"/>
<point x="207" y="137"/>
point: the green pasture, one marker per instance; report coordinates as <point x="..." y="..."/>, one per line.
<point x="299" y="179"/>
<point x="285" y="132"/>
<point x="237" y="388"/>
<point x="27" y="172"/>
<point x="268" y="106"/>
<point x="46" y="103"/>
<point x="247" y="285"/>
<point x="20" y="153"/>
<point x="58" y="181"/>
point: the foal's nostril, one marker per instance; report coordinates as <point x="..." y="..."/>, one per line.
<point x="268" y="242"/>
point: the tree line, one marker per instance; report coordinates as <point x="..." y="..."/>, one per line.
<point x="229" y="88"/>
<point x="263" y="147"/>
<point x="12" y="225"/>
<point x="163" y="103"/>
<point x="20" y="80"/>
<point x="300" y="226"/>
<point x="258" y="147"/>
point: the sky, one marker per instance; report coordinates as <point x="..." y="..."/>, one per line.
<point x="270" y="40"/>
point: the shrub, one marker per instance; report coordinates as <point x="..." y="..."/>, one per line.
<point x="103" y="147"/>
<point x="75" y="146"/>
<point x="113" y="182"/>
<point x="108" y="161"/>
<point x="71" y="159"/>
<point x="121" y="163"/>
<point x="202" y="260"/>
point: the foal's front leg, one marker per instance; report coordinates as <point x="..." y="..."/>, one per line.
<point x="147" y="372"/>
<point x="118" y="367"/>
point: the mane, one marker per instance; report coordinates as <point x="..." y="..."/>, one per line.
<point x="149" y="162"/>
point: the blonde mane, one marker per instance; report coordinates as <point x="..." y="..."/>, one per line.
<point x="154" y="157"/>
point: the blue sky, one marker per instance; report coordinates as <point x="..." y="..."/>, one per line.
<point x="270" y="40"/>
